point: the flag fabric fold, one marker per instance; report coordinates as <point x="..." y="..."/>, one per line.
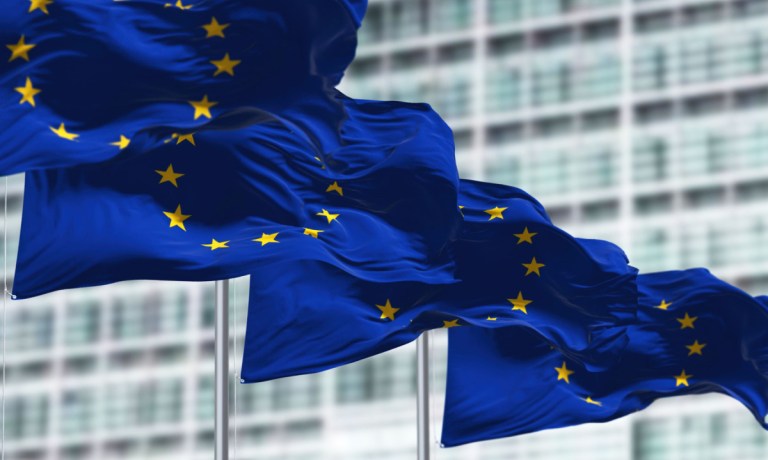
<point x="515" y="268"/>
<point x="329" y="179"/>
<point x="86" y="81"/>
<point x="693" y="334"/>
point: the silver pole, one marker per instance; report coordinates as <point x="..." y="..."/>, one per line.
<point x="222" y="371"/>
<point x="422" y="395"/>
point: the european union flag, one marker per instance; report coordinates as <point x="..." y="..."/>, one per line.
<point x="208" y="141"/>
<point x="83" y="81"/>
<point x="693" y="334"/>
<point x="515" y="269"/>
<point x="333" y="179"/>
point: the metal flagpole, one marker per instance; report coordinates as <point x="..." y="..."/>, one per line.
<point x="222" y="371"/>
<point x="422" y="395"/>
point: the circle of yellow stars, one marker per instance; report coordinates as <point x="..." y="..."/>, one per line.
<point x="226" y="66"/>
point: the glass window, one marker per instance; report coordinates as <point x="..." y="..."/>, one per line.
<point x="701" y="60"/>
<point x="542" y="8"/>
<point x="407" y="19"/>
<point x="703" y="14"/>
<point x="500" y="11"/>
<point x="599" y="31"/>
<point x="304" y="429"/>
<point x="596" y="167"/>
<point x="504" y="87"/>
<point x="549" y="173"/>
<point x="27" y="417"/>
<point x="650" y="249"/>
<point x="702" y="198"/>
<point x="551" y="83"/>
<point x="453" y="98"/>
<point x="654" y="22"/>
<point x="450" y="14"/>
<point x="77" y="411"/>
<point x="651" y="67"/>
<point x="600" y="120"/>
<point x="372" y="29"/>
<point x="82" y="323"/>
<point x="605" y="210"/>
<point x="145" y="403"/>
<point x="30" y="329"/>
<point x="653" y="204"/>
<point x="553" y="38"/>
<point x="354" y="382"/>
<point x="253" y="398"/>
<point x="600" y="78"/>
<point x="208" y="307"/>
<point x="205" y="397"/>
<point x="298" y="392"/>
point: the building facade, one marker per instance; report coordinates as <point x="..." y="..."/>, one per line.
<point x="641" y="122"/>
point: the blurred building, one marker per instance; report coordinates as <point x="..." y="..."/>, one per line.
<point x="642" y="122"/>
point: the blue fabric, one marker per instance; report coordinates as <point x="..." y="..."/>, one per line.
<point x="503" y="382"/>
<point x="254" y="172"/>
<point x="311" y="317"/>
<point x="129" y="68"/>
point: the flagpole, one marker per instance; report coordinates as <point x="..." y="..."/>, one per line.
<point x="222" y="371"/>
<point x="422" y="395"/>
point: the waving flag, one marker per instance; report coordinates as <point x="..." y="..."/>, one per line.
<point x="343" y="181"/>
<point x="515" y="268"/>
<point x="693" y="334"/>
<point x="84" y="81"/>
<point x="208" y="140"/>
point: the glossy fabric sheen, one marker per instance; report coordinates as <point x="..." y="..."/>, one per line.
<point x="130" y="67"/>
<point x="311" y="317"/>
<point x="502" y="382"/>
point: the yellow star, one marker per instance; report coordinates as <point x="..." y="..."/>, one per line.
<point x="322" y="166"/>
<point x="663" y="305"/>
<point x="695" y="348"/>
<point x="179" y="5"/>
<point x="169" y="175"/>
<point x="122" y="143"/>
<point x="202" y="107"/>
<point x="450" y="324"/>
<point x="496" y="213"/>
<point x="177" y="218"/>
<point x="334" y="187"/>
<point x="533" y="267"/>
<point x="28" y="93"/>
<point x="20" y="50"/>
<point x="461" y="210"/>
<point x="563" y="373"/>
<point x="41" y="5"/>
<point x="519" y="303"/>
<point x="189" y="137"/>
<point x="387" y="311"/>
<point x="491" y="318"/>
<point x="267" y="238"/>
<point x="686" y="322"/>
<point x="328" y="215"/>
<point x="61" y="131"/>
<point x="525" y="237"/>
<point x="216" y="244"/>
<point x="682" y="379"/>
<point x="214" y="29"/>
<point x="589" y="400"/>
<point x="225" y="65"/>
<point x="312" y="232"/>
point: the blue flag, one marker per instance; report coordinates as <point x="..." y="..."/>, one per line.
<point x="693" y="334"/>
<point x="330" y="179"/>
<point x="83" y="81"/>
<point x="515" y="268"/>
